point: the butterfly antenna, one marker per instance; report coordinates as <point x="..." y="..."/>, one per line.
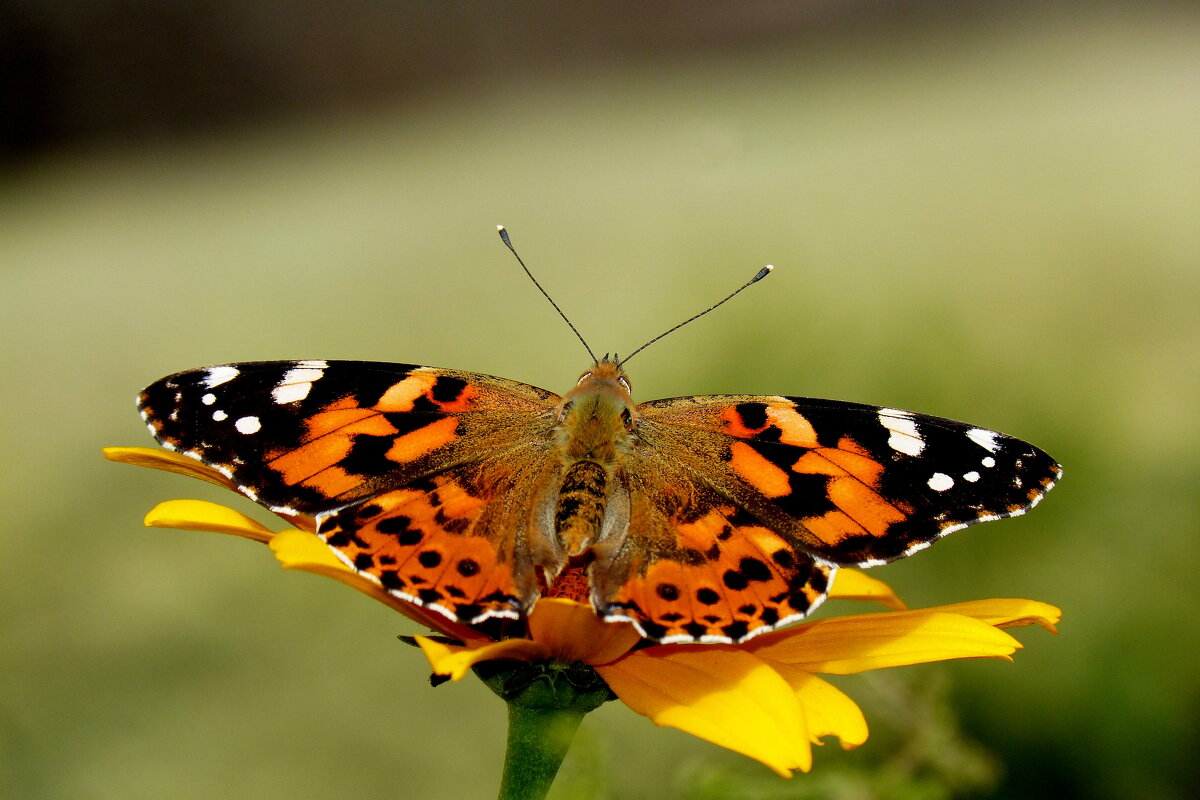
<point x="762" y="273"/>
<point x="508" y="243"/>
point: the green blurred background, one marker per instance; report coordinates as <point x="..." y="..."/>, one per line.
<point x="983" y="211"/>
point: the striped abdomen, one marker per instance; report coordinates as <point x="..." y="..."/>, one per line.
<point x="580" y="510"/>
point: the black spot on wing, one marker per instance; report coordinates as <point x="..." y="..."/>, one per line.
<point x="368" y="456"/>
<point x="753" y="415"/>
<point x="447" y="389"/>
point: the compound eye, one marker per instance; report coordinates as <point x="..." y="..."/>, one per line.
<point x="583" y="378"/>
<point x="627" y="418"/>
<point x="625" y="383"/>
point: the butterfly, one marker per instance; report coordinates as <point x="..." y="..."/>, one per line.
<point x="697" y="519"/>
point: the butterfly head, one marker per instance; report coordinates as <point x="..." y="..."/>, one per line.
<point x="598" y="416"/>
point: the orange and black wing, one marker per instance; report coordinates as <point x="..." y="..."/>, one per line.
<point x="399" y="465"/>
<point x="310" y="436"/>
<point x="749" y="503"/>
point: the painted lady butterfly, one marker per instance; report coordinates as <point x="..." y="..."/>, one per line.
<point x="712" y="518"/>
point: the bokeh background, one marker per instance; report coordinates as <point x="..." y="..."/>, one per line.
<point x="986" y="211"/>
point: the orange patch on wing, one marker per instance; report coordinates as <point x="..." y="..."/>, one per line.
<point x="333" y="481"/>
<point x="464" y="402"/>
<point x="343" y="404"/>
<point x="333" y="419"/>
<point x="732" y="424"/>
<point x="329" y="448"/>
<point x="457" y="501"/>
<point x="757" y="471"/>
<point x="861" y="467"/>
<point x="833" y="527"/>
<point x="309" y="459"/>
<point x="401" y="396"/>
<point x="415" y="444"/>
<point x="863" y="505"/>
<point x="702" y="534"/>
<point x="765" y="540"/>
<point x="794" y="427"/>
<point x="852" y="478"/>
<point x="851" y="446"/>
<point x="815" y="462"/>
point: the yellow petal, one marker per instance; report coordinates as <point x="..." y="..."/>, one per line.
<point x="851" y="584"/>
<point x="303" y="550"/>
<point x="843" y="645"/>
<point x="166" y="460"/>
<point x="828" y="711"/>
<point x="456" y="660"/>
<point x="573" y="632"/>
<point x="718" y="693"/>
<point x="296" y="549"/>
<point x="201" y="515"/>
<point x="1003" y="612"/>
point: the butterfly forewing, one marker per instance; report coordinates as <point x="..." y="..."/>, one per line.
<point x="309" y="436"/>
<point x="857" y="484"/>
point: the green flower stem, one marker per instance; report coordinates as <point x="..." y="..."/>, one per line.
<point x="538" y="739"/>
<point x="546" y="703"/>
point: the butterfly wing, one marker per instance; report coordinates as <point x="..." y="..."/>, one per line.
<point x="780" y="490"/>
<point x="695" y="566"/>
<point x="398" y="463"/>
<point x="310" y="436"/>
<point x="857" y="484"/>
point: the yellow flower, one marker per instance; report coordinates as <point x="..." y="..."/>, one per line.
<point x="761" y="698"/>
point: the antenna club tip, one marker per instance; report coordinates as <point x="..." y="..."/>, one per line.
<point x="769" y="267"/>
<point x="499" y="227"/>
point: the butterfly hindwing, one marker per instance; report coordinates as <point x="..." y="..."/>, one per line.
<point x="452" y="542"/>
<point x="709" y="573"/>
<point x="851" y="483"/>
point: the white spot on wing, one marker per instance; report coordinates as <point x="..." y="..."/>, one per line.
<point x="220" y="416"/>
<point x="208" y="399"/>
<point x="290" y="392"/>
<point x="940" y="482"/>
<point x="248" y="425"/>
<point x="984" y="438"/>
<point x="988" y="461"/>
<point x="905" y="438"/>
<point x="302" y="375"/>
<point x="297" y="382"/>
<point x="971" y="476"/>
<point x="215" y="376"/>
